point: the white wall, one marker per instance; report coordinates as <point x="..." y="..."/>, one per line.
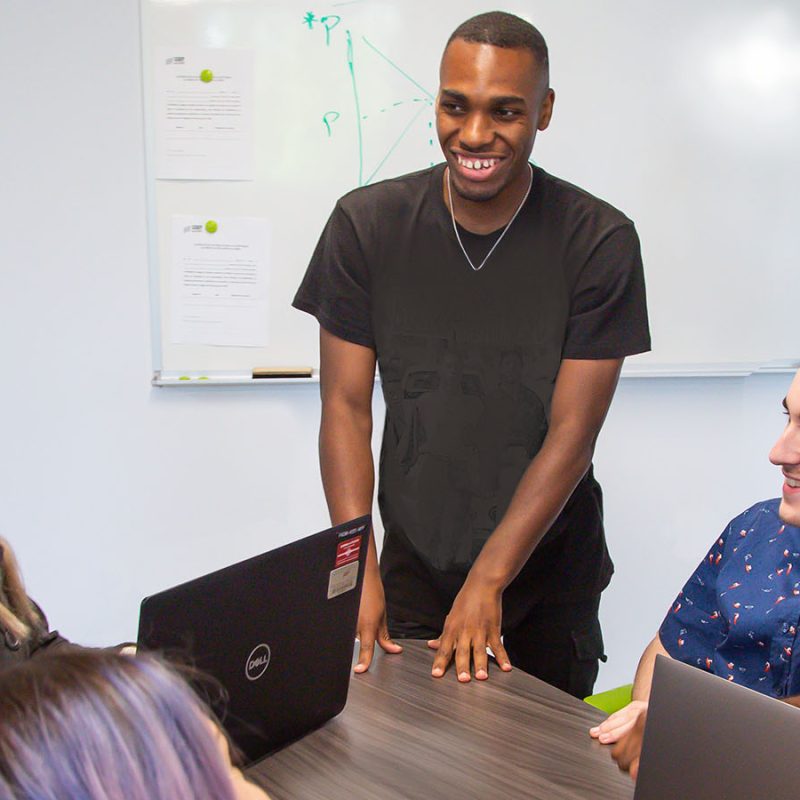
<point x="110" y="489"/>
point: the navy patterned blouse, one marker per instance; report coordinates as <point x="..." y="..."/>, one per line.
<point x="739" y="614"/>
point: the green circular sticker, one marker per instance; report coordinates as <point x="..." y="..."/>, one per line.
<point x="211" y="226"/>
<point x="206" y="76"/>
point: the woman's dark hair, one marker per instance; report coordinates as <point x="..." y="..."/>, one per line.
<point x="94" y="725"/>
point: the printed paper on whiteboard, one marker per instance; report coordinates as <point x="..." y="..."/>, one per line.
<point x="204" y="114"/>
<point x="219" y="281"/>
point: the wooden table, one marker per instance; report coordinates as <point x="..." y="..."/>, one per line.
<point x="406" y="735"/>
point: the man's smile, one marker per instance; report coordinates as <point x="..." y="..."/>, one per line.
<point x="475" y="167"/>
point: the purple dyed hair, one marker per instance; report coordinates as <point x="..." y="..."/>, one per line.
<point x="104" y="726"/>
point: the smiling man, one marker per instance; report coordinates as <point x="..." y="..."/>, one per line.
<point x="738" y="616"/>
<point x="456" y="279"/>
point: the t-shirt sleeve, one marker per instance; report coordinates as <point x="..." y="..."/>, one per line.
<point x="335" y="288"/>
<point x="608" y="314"/>
<point x="694" y="625"/>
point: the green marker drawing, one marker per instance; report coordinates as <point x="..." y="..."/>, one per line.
<point x="203" y="378"/>
<point x="211" y="226"/>
<point x="184" y="378"/>
<point x="206" y="76"/>
<point x="330" y="22"/>
<point x="351" y="68"/>
<point x="394" y="145"/>
<point x="404" y="74"/>
<point x="425" y="102"/>
<point x="328" y="117"/>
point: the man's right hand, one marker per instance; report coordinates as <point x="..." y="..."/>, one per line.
<point x="619" y="723"/>
<point x="372" y="626"/>
<point x="628" y="750"/>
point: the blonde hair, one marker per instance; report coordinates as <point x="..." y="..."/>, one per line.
<point x="18" y="615"/>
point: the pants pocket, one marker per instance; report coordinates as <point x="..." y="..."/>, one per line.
<point x="588" y="649"/>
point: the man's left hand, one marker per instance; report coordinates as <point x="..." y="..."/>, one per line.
<point x="472" y="624"/>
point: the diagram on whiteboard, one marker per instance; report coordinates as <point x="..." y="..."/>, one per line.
<point x="385" y="113"/>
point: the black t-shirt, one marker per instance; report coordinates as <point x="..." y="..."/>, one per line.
<point x="468" y="360"/>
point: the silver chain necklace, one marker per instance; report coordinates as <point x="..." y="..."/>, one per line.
<point x="499" y="238"/>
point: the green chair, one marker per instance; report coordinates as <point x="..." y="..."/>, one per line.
<point x="612" y="700"/>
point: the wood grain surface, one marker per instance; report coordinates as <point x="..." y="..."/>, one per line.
<point x="404" y="734"/>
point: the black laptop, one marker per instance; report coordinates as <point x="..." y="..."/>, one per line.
<point x="276" y="631"/>
<point x="708" y="738"/>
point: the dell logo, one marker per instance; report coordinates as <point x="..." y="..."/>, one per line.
<point x="257" y="662"/>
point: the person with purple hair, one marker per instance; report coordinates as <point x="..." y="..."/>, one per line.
<point x="95" y="725"/>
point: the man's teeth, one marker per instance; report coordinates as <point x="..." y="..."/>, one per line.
<point x="477" y="163"/>
<point x="793" y="484"/>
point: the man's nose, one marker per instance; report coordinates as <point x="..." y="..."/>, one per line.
<point x="786" y="451"/>
<point x="477" y="131"/>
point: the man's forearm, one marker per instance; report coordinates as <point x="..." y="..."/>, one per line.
<point x="345" y="453"/>
<point x="539" y="498"/>
<point x="581" y="398"/>
<point x="644" y="671"/>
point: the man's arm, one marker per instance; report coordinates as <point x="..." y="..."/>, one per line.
<point x="620" y="722"/>
<point x="581" y="398"/>
<point x="347" y="379"/>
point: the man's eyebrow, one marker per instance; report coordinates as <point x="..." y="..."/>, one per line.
<point x="785" y="405"/>
<point x="454" y="94"/>
<point x="500" y="100"/>
<point x="509" y="99"/>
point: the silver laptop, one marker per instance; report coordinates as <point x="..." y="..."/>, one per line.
<point x="276" y="632"/>
<point x="706" y="737"/>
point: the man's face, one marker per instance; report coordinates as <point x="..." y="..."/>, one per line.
<point x="491" y="102"/>
<point x="786" y="455"/>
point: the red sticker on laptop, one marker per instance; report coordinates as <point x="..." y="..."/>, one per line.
<point x="347" y="551"/>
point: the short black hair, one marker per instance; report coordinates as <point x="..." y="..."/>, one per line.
<point x="501" y="29"/>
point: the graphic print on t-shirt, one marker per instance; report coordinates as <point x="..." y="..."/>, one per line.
<point x="463" y="422"/>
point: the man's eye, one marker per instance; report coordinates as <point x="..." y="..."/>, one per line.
<point x="452" y="108"/>
<point x="506" y="113"/>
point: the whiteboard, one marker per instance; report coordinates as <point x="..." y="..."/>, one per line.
<point x="684" y="115"/>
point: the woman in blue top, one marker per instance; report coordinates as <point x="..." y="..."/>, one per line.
<point x="738" y="615"/>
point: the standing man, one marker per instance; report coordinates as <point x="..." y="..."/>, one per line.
<point x="449" y="278"/>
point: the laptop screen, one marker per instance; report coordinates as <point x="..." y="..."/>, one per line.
<point x="708" y="738"/>
<point x="275" y="633"/>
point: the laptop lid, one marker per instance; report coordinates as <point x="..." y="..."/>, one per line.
<point x="276" y="631"/>
<point x="706" y="737"/>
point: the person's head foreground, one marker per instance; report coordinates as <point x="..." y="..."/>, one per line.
<point x="102" y="726"/>
<point x="494" y="95"/>
<point x="17" y="614"/>
<point x="786" y="455"/>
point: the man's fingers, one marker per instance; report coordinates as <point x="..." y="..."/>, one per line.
<point x="444" y="656"/>
<point x="387" y="644"/>
<point x="366" y="647"/>
<point x="624" y="755"/>
<point x="612" y="734"/>
<point x="434" y="644"/>
<point x="618" y="723"/>
<point x="480" y="659"/>
<point x="463" y="659"/>
<point x="635" y="767"/>
<point x="500" y="654"/>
